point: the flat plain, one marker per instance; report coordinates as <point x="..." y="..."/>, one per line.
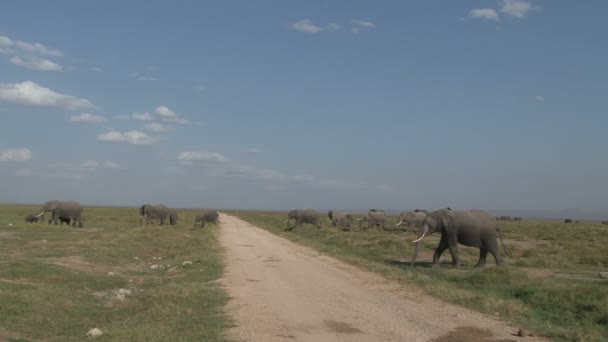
<point x="134" y="283"/>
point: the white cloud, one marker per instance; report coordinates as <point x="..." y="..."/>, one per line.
<point x="305" y="25"/>
<point x="36" y="63"/>
<point x="201" y="156"/>
<point x="97" y="69"/>
<point x="8" y="46"/>
<point x="156" y="127"/>
<point x="87" y="118"/>
<point x="31" y="94"/>
<point x="15" y="154"/>
<point x="333" y="27"/>
<point x="167" y="115"/>
<point x="360" y="25"/>
<point x="131" y="137"/>
<point x="200" y="88"/>
<point x="142" y="117"/>
<point x="110" y="164"/>
<point x="516" y="8"/>
<point x="540" y="98"/>
<point x="90" y="164"/>
<point x="25" y="172"/>
<point x="253" y="150"/>
<point x="484" y="13"/>
<point x="141" y="77"/>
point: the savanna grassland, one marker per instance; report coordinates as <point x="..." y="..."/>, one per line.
<point x="57" y="281"/>
<point x="551" y="284"/>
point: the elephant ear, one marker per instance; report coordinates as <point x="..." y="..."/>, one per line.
<point x="446" y="217"/>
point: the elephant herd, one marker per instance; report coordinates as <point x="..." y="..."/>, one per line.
<point x="161" y="212"/>
<point x="72" y="212"/>
<point x="472" y="228"/>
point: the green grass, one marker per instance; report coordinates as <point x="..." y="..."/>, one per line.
<point x="550" y="285"/>
<point x="55" y="286"/>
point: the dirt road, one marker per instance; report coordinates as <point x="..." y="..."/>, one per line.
<point x="282" y="291"/>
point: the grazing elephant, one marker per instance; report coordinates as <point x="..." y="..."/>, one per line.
<point x="375" y="217"/>
<point x="207" y="216"/>
<point x="303" y="216"/>
<point x="473" y="228"/>
<point x="152" y="212"/>
<point x="67" y="209"/>
<point x="173" y="217"/>
<point x="341" y="219"/>
<point x="568" y="220"/>
<point x="604" y="221"/>
<point x="411" y="219"/>
<point x="32" y="218"/>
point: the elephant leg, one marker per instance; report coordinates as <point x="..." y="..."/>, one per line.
<point x="483" y="253"/>
<point x="443" y="245"/>
<point x="497" y="257"/>
<point x="453" y="246"/>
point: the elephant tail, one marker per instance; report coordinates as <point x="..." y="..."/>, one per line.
<point x="503" y="243"/>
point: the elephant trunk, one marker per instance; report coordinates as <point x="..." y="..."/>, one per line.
<point x="423" y="231"/>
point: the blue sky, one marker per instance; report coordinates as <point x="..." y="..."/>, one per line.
<point x="284" y="104"/>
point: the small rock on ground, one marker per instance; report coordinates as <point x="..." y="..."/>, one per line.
<point x="94" y="333"/>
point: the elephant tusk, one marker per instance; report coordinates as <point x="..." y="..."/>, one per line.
<point x="359" y="219"/>
<point x="420" y="238"/>
<point x="399" y="223"/>
<point x="42" y="213"/>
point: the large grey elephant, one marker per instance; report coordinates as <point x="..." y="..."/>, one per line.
<point x="173" y="217"/>
<point x="206" y="217"/>
<point x="473" y="228"/>
<point x="303" y="216"/>
<point x="411" y="219"/>
<point x="153" y="212"/>
<point x="340" y="219"/>
<point x="67" y="209"/>
<point x="374" y="217"/>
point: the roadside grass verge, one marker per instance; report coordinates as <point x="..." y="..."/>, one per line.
<point x="550" y="286"/>
<point x="58" y="281"/>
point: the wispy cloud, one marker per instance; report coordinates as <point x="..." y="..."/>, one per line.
<point x="540" y="98"/>
<point x="131" y="137"/>
<point x="87" y="118"/>
<point x="36" y="63"/>
<point x="360" y="25"/>
<point x="31" y="94"/>
<point x="254" y="150"/>
<point x="484" y="13"/>
<point x="516" y="8"/>
<point x="8" y="45"/>
<point x="141" y="77"/>
<point x="167" y="115"/>
<point x="15" y="154"/>
<point x="200" y="88"/>
<point x="97" y="69"/>
<point x="201" y="156"/>
<point x="142" y="116"/>
<point x="306" y="25"/>
<point x="156" y="127"/>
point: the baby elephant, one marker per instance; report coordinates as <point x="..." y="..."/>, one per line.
<point x="207" y="216"/>
<point x="32" y="218"/>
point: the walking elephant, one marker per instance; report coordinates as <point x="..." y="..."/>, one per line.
<point x="303" y="216"/>
<point x="67" y="209"/>
<point x="374" y="217"/>
<point x="153" y="212"/>
<point x="340" y="219"/>
<point x="411" y="219"/>
<point x="473" y="228"/>
<point x="206" y="217"/>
